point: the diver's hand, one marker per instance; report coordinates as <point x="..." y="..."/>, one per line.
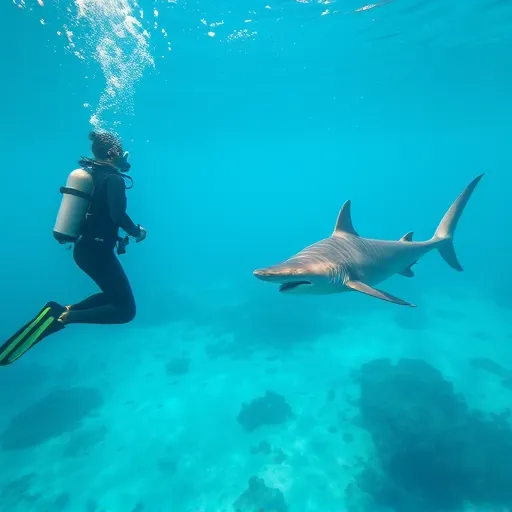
<point x="142" y="235"/>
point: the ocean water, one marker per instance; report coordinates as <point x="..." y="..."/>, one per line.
<point x="249" y="124"/>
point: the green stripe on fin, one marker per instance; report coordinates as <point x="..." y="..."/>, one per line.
<point x="18" y="338"/>
<point x="32" y="340"/>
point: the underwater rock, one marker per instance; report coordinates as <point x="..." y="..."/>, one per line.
<point x="17" y="494"/>
<point x="432" y="452"/>
<point x="279" y="456"/>
<point x="272" y="409"/>
<point x="30" y="379"/>
<point x="61" y="502"/>
<point x="82" y="442"/>
<point x="59" y="412"/>
<point x="178" y="366"/>
<point x="264" y="447"/>
<point x="140" y="507"/>
<point x="258" y="497"/>
<point x="494" y="368"/>
<point x="488" y="365"/>
<point x="507" y="383"/>
<point x="168" y="465"/>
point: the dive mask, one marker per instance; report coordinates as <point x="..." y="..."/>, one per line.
<point x="121" y="161"/>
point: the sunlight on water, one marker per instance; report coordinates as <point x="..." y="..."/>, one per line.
<point x="120" y="44"/>
<point x="109" y="33"/>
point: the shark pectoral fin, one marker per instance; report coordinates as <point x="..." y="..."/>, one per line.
<point x="358" y="286"/>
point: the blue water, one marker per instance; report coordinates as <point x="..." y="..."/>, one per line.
<point x="248" y="126"/>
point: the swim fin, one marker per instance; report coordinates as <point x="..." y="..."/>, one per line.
<point x="44" y="324"/>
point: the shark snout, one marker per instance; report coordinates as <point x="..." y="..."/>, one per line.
<point x="278" y="274"/>
<point x="259" y="273"/>
<point x="291" y="279"/>
<point x="266" y="274"/>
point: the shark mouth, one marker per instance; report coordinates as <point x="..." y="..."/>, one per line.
<point x="286" y="287"/>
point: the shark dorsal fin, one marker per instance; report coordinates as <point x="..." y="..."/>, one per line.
<point x="344" y="222"/>
<point x="407" y="237"/>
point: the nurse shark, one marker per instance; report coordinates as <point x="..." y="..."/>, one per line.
<point x="346" y="261"/>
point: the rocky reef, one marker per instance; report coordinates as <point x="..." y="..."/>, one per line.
<point x="432" y="453"/>
<point x="61" y="411"/>
<point x="271" y="409"/>
<point x="258" y="497"/>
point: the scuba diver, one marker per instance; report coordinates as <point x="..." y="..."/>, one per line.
<point x="92" y="210"/>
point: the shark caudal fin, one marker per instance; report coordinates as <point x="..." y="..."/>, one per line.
<point x="446" y="229"/>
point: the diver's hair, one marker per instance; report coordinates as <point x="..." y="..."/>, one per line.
<point x="104" y="143"/>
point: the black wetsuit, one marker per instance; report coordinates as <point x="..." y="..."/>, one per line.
<point x="94" y="254"/>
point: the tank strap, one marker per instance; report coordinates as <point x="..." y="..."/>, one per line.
<point x="90" y="165"/>
<point x="73" y="192"/>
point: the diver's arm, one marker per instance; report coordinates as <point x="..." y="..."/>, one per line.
<point x="116" y="196"/>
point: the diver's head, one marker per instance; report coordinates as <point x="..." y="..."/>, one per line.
<point x="107" y="148"/>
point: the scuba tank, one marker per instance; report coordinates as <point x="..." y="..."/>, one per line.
<point x="76" y="199"/>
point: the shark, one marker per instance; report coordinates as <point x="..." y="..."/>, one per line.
<point x="346" y="261"/>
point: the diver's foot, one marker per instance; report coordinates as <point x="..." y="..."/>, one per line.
<point x="63" y="318"/>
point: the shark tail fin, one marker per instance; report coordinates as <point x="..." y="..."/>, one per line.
<point x="446" y="229"/>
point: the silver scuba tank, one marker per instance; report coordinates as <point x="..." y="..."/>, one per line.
<point x="76" y="199"/>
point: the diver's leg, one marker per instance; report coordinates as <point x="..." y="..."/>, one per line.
<point x="101" y="264"/>
<point x="94" y="301"/>
<point x="86" y="258"/>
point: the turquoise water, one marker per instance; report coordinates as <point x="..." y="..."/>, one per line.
<point x="248" y="125"/>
